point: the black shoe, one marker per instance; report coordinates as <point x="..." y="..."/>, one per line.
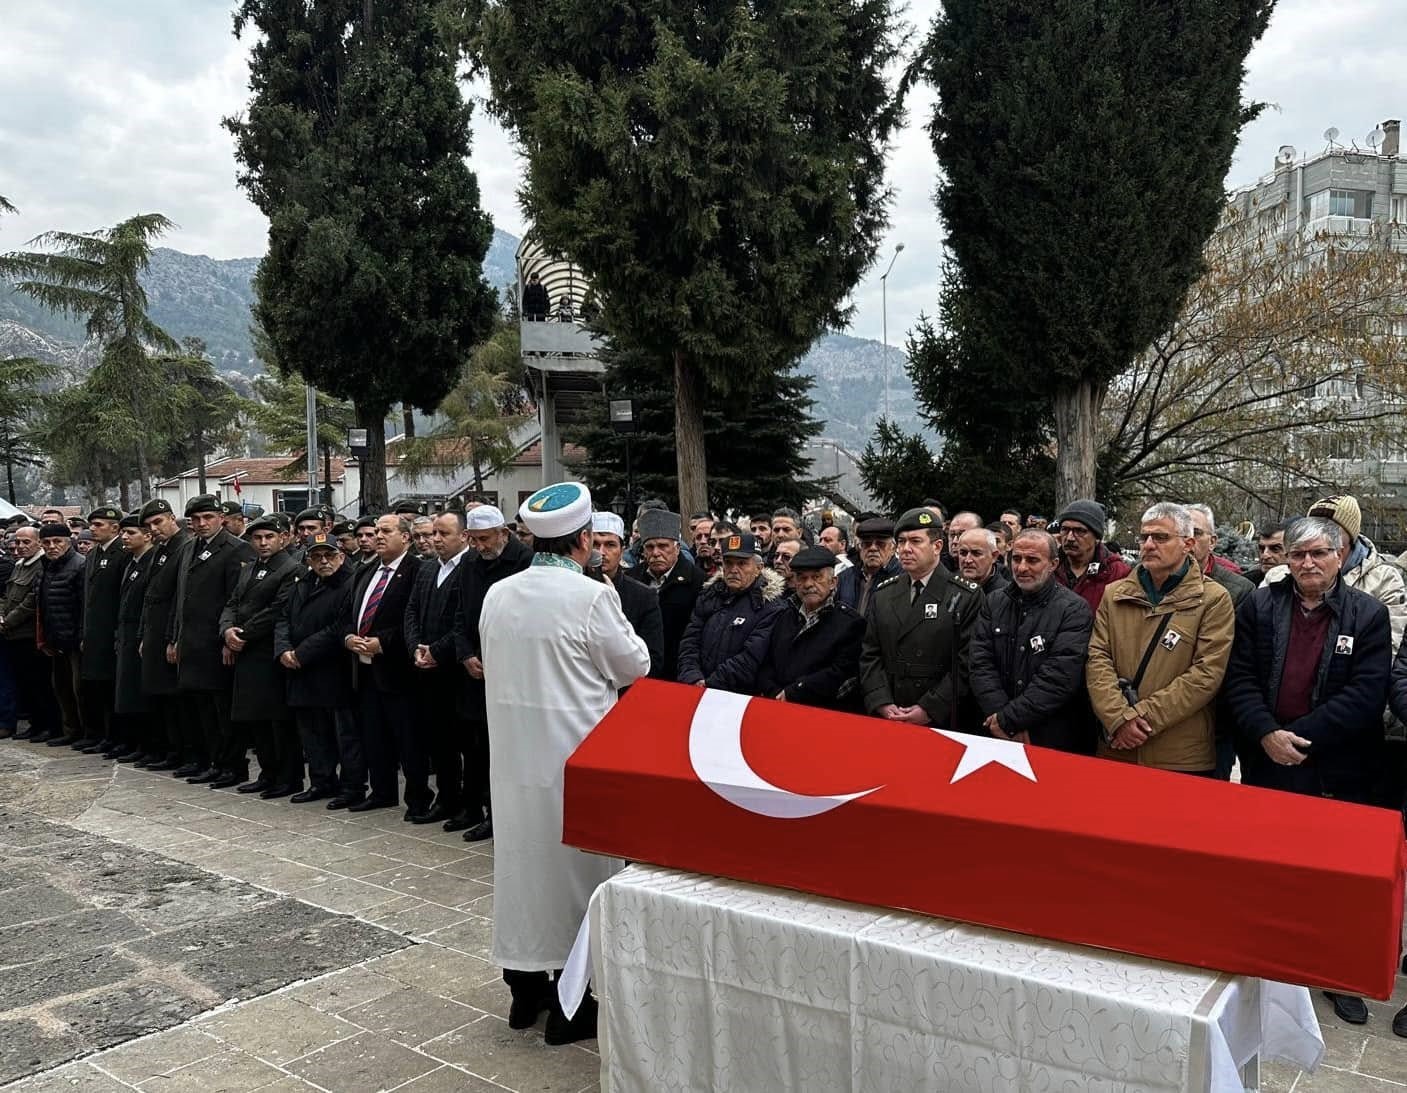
<point x="170" y="763"/>
<point x="369" y="804"/>
<point x="25" y="734"/>
<point x="126" y="753"/>
<point x="41" y="737"/>
<point x="479" y="832"/>
<point x="6" y="734"/>
<point x="343" y="801"/>
<point x="1349" y="1008"/>
<point x="185" y="770"/>
<point x="581" y="1027"/>
<point x="439" y="814"/>
<point x="313" y="794"/>
<point x="100" y="748"/>
<point x="416" y="815"/>
<point x="229" y="779"/>
<point x="1399" y="1023"/>
<point x="143" y="761"/>
<point x="459" y="822"/>
<point x="274" y="792"/>
<point x="209" y="774"/>
<point x="60" y="741"/>
<point x="256" y="786"/>
<point x="532" y="994"/>
<point x="88" y="742"/>
<point x="430" y="817"/>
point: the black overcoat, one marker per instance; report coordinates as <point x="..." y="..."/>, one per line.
<point x="209" y="572"/>
<point x="129" y="697"/>
<point x="158" y="674"/>
<point x="255" y="604"/>
<point x="311" y="627"/>
<point x="102" y="588"/>
<point x="676" y="597"/>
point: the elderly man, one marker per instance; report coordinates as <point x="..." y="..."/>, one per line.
<point x="704" y="556"/>
<point x="34" y="691"/>
<point x="640" y="606"/>
<point x="1162" y="638"/>
<point x="961" y="523"/>
<point x="422" y="537"/>
<point x="782" y="555"/>
<point x="59" y="625"/>
<point x="913" y="663"/>
<point x="498" y="554"/>
<point x="674" y="579"/>
<point x="856" y="586"/>
<point x="813" y="653"/>
<point x="1086" y="565"/>
<point x="727" y="636"/>
<point x="1027" y="657"/>
<point x="977" y="556"/>
<point x="1204" y="540"/>
<point x="1307" y="682"/>
<point x="557" y="649"/>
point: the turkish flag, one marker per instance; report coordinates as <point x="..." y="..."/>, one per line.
<point x="1169" y="866"/>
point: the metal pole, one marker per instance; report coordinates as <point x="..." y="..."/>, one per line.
<point x="884" y="307"/>
<point x="312" y="445"/>
<point x="629" y="484"/>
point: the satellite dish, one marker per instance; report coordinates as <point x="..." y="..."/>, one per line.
<point x="1375" y="137"/>
<point x="1286" y="154"/>
<point x="1331" y="134"/>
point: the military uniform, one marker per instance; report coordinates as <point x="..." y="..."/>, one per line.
<point x="102" y="588"/>
<point x="129" y="702"/>
<point x="915" y="650"/>
<point x="184" y="749"/>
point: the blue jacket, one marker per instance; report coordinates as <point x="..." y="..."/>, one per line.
<point x="847" y="587"/>
<point x="1345" y="722"/>
<point x="726" y="640"/>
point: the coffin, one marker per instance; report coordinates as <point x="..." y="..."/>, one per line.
<point x="1191" y="870"/>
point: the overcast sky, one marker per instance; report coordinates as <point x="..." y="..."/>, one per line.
<point x="111" y="109"/>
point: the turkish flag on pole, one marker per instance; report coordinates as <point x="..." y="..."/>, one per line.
<point x="238" y="491"/>
<point x="1168" y="866"/>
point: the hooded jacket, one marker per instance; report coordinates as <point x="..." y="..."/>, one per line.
<point x="726" y="640"/>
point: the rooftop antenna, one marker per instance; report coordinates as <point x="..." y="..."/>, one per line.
<point x="1286" y="155"/>
<point x="1375" y="138"/>
<point x="1331" y="134"/>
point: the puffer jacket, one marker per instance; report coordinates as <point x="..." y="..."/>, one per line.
<point x="1351" y="686"/>
<point x="726" y="640"/>
<point x="1178" y="689"/>
<point x="60" y="615"/>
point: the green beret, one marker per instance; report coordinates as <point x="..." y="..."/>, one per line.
<point x="344" y="527"/>
<point x="203" y="502"/>
<point x="264" y="523"/>
<point x="917" y="520"/>
<point x="105" y="512"/>
<point x="309" y="514"/>
<point x="155" y="507"/>
<point x="231" y="508"/>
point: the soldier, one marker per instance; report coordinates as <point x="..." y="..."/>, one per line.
<point x="209" y="572"/>
<point x="365" y="532"/>
<point x="913" y="663"/>
<point x="813" y="652"/>
<point x="232" y="515"/>
<point x="306" y="524"/>
<point x="308" y="643"/>
<point x="130" y="709"/>
<point x="102" y="587"/>
<point x="345" y="534"/>
<point x="184" y="750"/>
<point x="258" y="706"/>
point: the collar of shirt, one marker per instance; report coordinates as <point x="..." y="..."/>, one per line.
<point x="448" y="566"/>
<point x="658" y="582"/>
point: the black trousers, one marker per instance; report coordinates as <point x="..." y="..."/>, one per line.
<point x="389" y="739"/>
<point x="476" y="770"/>
<point x="445" y="733"/>
<point x="64" y="674"/>
<point x="317" y="732"/>
<point x="351" y="756"/>
<point x="95" y="701"/>
<point x="181" y="725"/>
<point x="34" y="686"/>
<point x="208" y="714"/>
<point x="280" y="751"/>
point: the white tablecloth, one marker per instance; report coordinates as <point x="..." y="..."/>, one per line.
<point x="709" y="984"/>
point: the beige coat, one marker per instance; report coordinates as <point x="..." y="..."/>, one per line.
<point x="1176" y="696"/>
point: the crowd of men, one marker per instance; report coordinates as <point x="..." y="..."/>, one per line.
<point x="347" y="655"/>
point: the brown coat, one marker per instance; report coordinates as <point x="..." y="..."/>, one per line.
<point x="1177" y="693"/>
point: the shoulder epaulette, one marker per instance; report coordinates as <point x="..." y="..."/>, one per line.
<point x="963" y="582"/>
<point x="887" y="581"/>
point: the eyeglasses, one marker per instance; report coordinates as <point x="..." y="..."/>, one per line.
<point x="1155" y="536"/>
<point x="1075" y="529"/>
<point x="1320" y="554"/>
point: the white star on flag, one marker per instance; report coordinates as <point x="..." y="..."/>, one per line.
<point x="978" y="751"/>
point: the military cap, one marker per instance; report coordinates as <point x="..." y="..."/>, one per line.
<point x="231" y="508"/>
<point x="917" y="520"/>
<point x="344" y="527"/>
<point x="131" y="520"/>
<point x="310" y="514"/>
<point x="875" y="527"/>
<point x="204" y="502"/>
<point x="105" y="512"/>
<point x="367" y="521"/>
<point x="408" y="508"/>
<point x="265" y="523"/>
<point x="742" y="545"/>
<point x="155" y="507"/>
<point x="816" y="557"/>
<point x="285" y="525"/>
<point x="55" y="531"/>
<point x="83" y="535"/>
<point x="322" y="541"/>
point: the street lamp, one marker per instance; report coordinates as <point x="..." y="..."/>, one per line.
<point x="884" y="298"/>
<point x="623" y="421"/>
<point x="358" y="445"/>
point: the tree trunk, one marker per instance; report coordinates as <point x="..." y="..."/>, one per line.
<point x="689" y="437"/>
<point x="124" y="494"/>
<point x="408" y="421"/>
<point x="327" y="474"/>
<point x="200" y="458"/>
<point x="143" y="471"/>
<point x="10" y="473"/>
<point x="1076" y="415"/>
<point x="373" y="420"/>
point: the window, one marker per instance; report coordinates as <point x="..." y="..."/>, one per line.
<point x="1355" y="203"/>
<point x="1399" y="208"/>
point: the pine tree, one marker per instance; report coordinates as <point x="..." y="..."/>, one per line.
<point x="355" y="146"/>
<point x="1082" y="147"/>
<point x="716" y="170"/>
<point x="22" y="382"/>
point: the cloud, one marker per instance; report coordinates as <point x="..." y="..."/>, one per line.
<point x="111" y="109"/>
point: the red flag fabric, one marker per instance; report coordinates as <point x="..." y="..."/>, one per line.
<point x="1169" y="866"/>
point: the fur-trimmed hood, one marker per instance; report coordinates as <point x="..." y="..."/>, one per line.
<point x="769" y="586"/>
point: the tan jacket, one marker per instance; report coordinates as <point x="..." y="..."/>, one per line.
<point x="1184" y="674"/>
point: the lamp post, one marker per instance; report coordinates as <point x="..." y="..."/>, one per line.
<point x="884" y="307"/>
<point x="358" y="444"/>
<point x="623" y="422"/>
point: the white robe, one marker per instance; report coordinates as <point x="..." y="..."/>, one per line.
<point x="556" y="647"/>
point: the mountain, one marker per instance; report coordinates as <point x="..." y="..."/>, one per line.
<point x="849" y="390"/>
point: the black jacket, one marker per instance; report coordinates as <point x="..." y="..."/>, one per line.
<point x="677" y="597"/>
<point x="393" y="671"/>
<point x="1345" y="721"/>
<point x="158" y="605"/>
<point x="432" y="613"/>
<point x="102" y="588"/>
<point x="818" y="665"/>
<point x="209" y="572"/>
<point x="1026" y="663"/>
<point x="136" y="574"/>
<point x="727" y="637"/>
<point x="996" y="581"/>
<point x="255" y="606"/>
<point x="642" y="611"/>
<point x="481" y="575"/>
<point x="60" y="616"/>
<point x="311" y="626"/>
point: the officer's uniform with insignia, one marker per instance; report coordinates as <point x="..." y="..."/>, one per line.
<point x="184" y="749"/>
<point x="210" y="570"/>
<point x="102" y="588"/>
<point x="133" y="718"/>
<point x="915" y="650"/>
<point x="258" y="704"/>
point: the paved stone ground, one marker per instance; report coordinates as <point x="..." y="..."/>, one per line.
<point x="183" y="866"/>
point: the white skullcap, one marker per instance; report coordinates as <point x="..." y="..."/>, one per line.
<point x="608" y="523"/>
<point x="557" y="510"/>
<point x="483" y="518"/>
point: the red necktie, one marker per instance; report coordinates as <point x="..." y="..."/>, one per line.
<point x="369" y="611"/>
